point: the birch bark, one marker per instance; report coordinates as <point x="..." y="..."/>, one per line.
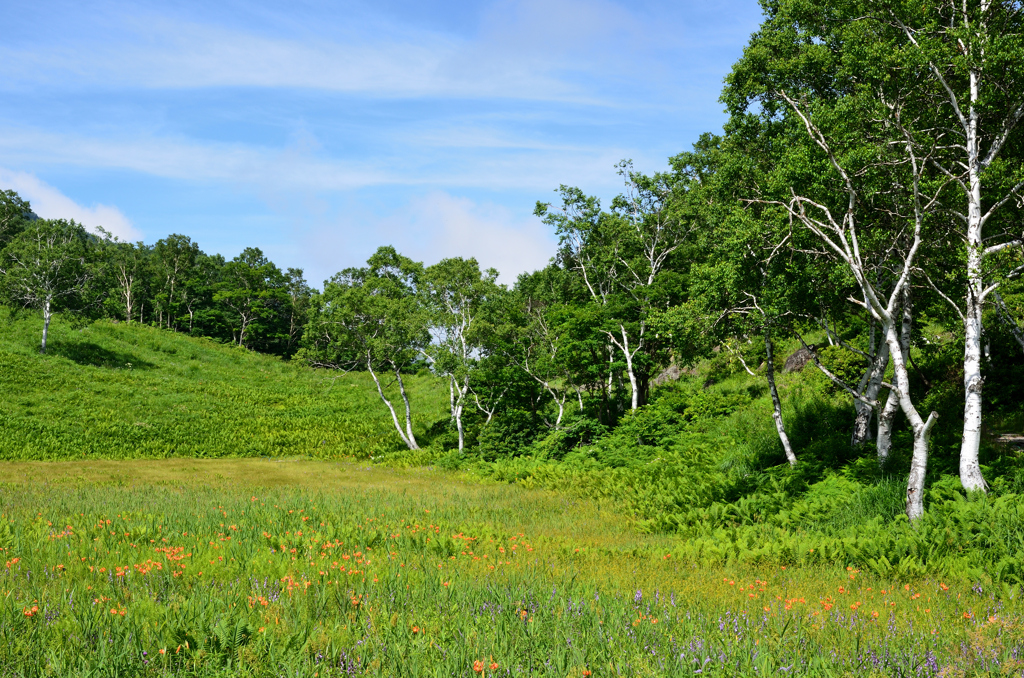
<point x="780" y="426"/>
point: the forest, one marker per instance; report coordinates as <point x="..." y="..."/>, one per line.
<point x="865" y="200"/>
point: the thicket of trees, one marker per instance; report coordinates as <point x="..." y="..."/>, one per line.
<point x="55" y="265"/>
<point x="868" y="190"/>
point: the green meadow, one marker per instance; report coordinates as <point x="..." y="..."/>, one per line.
<point x="117" y="392"/>
<point x="172" y="506"/>
<point x="306" y="568"/>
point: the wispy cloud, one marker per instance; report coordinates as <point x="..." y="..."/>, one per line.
<point x="50" y="203"/>
<point x="524" y="164"/>
<point x="523" y="50"/>
<point x="436" y="226"/>
<point x="300" y="128"/>
<point x="439" y="226"/>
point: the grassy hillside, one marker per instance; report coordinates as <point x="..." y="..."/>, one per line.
<point x="117" y="391"/>
<point x="702" y="461"/>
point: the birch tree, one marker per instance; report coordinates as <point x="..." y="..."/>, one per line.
<point x="621" y="258"/>
<point x="857" y="122"/>
<point x="45" y="267"/>
<point x="535" y="345"/>
<point x="174" y="258"/>
<point x="371" y="318"/>
<point x="455" y="294"/>
<point x="253" y="290"/>
<point x="974" y="61"/>
<point x="127" y="262"/>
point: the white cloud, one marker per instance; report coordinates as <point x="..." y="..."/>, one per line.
<point x="50" y="203"/>
<point x="500" y="162"/>
<point x="159" y="52"/>
<point x="439" y="226"/>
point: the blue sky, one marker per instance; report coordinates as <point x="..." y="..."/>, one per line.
<point x="318" y="131"/>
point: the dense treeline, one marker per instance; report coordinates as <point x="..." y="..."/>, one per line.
<point x="55" y="265"/>
<point x="865" y="202"/>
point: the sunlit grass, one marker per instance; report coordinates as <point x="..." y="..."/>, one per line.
<point x="254" y="567"/>
<point x="109" y="390"/>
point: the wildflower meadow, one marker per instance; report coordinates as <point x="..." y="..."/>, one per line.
<point x="322" y="569"/>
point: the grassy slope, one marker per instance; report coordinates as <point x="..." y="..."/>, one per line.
<point x="115" y="391"/>
<point x="702" y="461"/>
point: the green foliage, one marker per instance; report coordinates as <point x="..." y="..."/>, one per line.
<point x="116" y="391"/>
<point x="509" y="434"/>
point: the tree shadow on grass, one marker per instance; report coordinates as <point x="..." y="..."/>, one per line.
<point x="88" y="353"/>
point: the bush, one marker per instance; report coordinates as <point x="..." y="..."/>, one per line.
<point x="509" y="434"/>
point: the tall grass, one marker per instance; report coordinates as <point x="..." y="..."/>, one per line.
<point x="110" y="390"/>
<point x="385" y="573"/>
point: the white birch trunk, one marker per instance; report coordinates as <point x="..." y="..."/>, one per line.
<point x="410" y="438"/>
<point x="883" y="445"/>
<point x="624" y="347"/>
<point x="451" y="396"/>
<point x="459" y="407"/>
<point x="46" y="324"/>
<point x="458" y="426"/>
<point x="970" y="470"/>
<point x="921" y="428"/>
<point x="872" y="386"/>
<point x="776" y="401"/>
<point x="883" y="441"/>
<point x="406" y="436"/>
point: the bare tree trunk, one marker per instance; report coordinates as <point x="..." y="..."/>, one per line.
<point x="241" y="330"/>
<point x="409" y="440"/>
<point x="970" y="470"/>
<point x="921" y="428"/>
<point x="883" y="441"/>
<point x="46" y="324"/>
<point x="458" y="427"/>
<point x="451" y="396"/>
<point x="872" y="386"/>
<point x="408" y="410"/>
<point x="634" y="391"/>
<point x="919" y="468"/>
<point x="776" y="402"/>
<point x="457" y="409"/>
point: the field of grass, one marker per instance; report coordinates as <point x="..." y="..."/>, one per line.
<point x="316" y="568"/>
<point x="114" y="391"/>
<point x="201" y="512"/>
